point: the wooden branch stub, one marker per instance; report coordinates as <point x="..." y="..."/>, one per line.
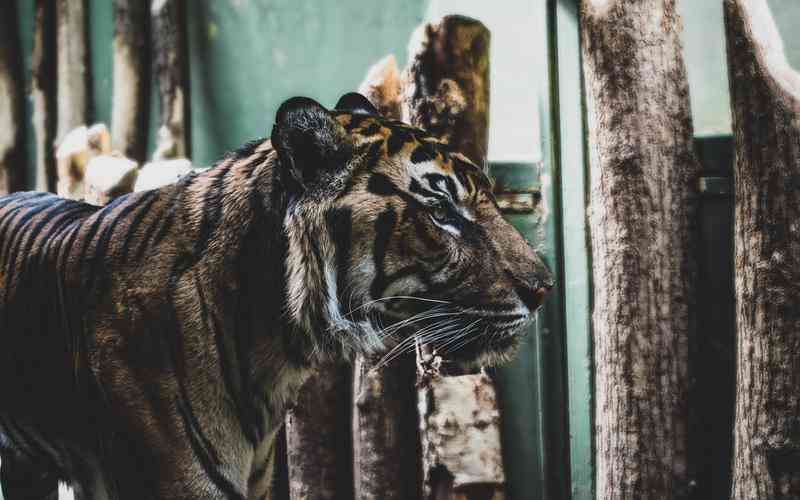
<point x="131" y="78"/>
<point x="170" y="59"/>
<point x="382" y="87"/>
<point x="12" y="148"/>
<point x="460" y="430"/>
<point x="43" y="94"/>
<point x="446" y="84"/>
<point x="765" y="99"/>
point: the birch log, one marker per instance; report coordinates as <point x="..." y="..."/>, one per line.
<point x="643" y="175"/>
<point x="12" y="148"/>
<point x="385" y="459"/>
<point x="43" y="94"/>
<point x="171" y="71"/>
<point x="446" y="85"/>
<point x="446" y="91"/>
<point x="131" y="79"/>
<point x="765" y="97"/>
<point x="72" y="66"/>
<point x="313" y="437"/>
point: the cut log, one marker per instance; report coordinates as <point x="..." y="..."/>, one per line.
<point x="171" y="70"/>
<point x="74" y="152"/>
<point x="643" y="201"/>
<point x="446" y="91"/>
<point x="129" y="108"/>
<point x="382" y="87"/>
<point x="73" y="66"/>
<point x="109" y="176"/>
<point x="385" y="456"/>
<point x="446" y="83"/>
<point x="43" y="94"/>
<point x="765" y="98"/>
<point x="314" y="432"/>
<point x="12" y="147"/>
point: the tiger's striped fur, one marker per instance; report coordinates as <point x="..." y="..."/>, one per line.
<point x="153" y="345"/>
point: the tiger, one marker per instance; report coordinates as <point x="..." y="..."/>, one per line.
<point x="153" y="345"/>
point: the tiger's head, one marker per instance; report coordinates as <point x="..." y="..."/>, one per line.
<point x="394" y="239"/>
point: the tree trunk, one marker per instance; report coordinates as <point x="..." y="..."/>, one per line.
<point x="316" y="438"/>
<point x="131" y="79"/>
<point x="12" y="148"/>
<point x="171" y="70"/>
<point x="385" y="458"/>
<point x="72" y="65"/>
<point x="642" y="190"/>
<point x="446" y="84"/>
<point x="446" y="91"/>
<point x="765" y="95"/>
<point x="43" y="94"/>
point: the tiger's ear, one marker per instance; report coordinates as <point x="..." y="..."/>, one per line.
<point x="311" y="145"/>
<point x="356" y="103"/>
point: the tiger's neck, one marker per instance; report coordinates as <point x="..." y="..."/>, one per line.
<point x="236" y="213"/>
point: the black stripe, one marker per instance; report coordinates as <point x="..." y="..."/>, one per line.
<point x="103" y="242"/>
<point x="396" y="141"/>
<point x="435" y="179"/>
<point x="416" y="187"/>
<point x="209" y="462"/>
<point x="384" y="227"/>
<point x="211" y="209"/>
<point x="423" y="152"/>
<point x="148" y="198"/>
<point x="340" y="228"/>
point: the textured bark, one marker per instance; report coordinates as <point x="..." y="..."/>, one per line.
<point x="446" y="91"/>
<point x="171" y="70"/>
<point x="131" y="79"/>
<point x="385" y="459"/>
<point x="12" y="150"/>
<point x="315" y="438"/>
<point x="765" y="95"/>
<point x="642" y="189"/>
<point x="386" y="462"/>
<point x="43" y="94"/>
<point x="72" y="66"/>
<point x="446" y="84"/>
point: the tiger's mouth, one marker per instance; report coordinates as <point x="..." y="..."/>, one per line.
<point x="457" y="334"/>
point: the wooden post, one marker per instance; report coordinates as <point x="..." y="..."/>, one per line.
<point x="43" y="94"/>
<point x="12" y="148"/>
<point x="765" y="97"/>
<point x="385" y="455"/>
<point x="315" y="437"/>
<point x="168" y="20"/>
<point x="131" y="79"/>
<point x="446" y="84"/>
<point x="643" y="196"/>
<point x="446" y="91"/>
<point x="72" y="66"/>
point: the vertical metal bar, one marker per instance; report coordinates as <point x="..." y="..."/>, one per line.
<point x="569" y="152"/>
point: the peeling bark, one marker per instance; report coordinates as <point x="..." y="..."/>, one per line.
<point x="72" y="66"/>
<point x="446" y="83"/>
<point x="642" y="181"/>
<point x="765" y="97"/>
<point x="171" y="70"/>
<point x="460" y="435"/>
<point x="12" y="148"/>
<point x="315" y="438"/>
<point x="43" y="94"/>
<point x="131" y="79"/>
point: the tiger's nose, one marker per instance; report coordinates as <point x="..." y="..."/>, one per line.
<point x="534" y="296"/>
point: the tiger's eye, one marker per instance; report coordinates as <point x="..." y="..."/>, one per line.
<point x="440" y="214"/>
